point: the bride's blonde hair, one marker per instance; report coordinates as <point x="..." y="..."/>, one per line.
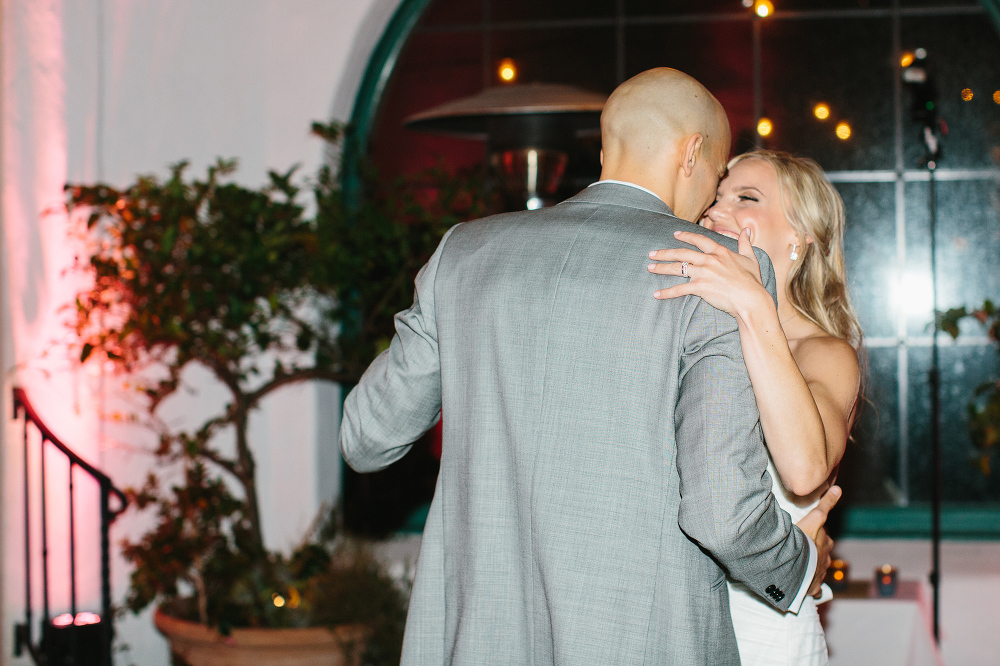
<point x="817" y="285"/>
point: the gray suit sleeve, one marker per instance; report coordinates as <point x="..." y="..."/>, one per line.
<point x="726" y="502"/>
<point x="399" y="395"/>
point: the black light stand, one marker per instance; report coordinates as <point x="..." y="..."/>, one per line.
<point x="924" y="112"/>
<point x="934" y="379"/>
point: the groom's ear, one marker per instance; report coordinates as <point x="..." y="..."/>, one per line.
<point x="691" y="153"/>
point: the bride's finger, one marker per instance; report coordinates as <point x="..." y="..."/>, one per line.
<point x="676" y="254"/>
<point x="701" y="242"/>
<point x="746" y="248"/>
<point x="683" y="289"/>
<point x="674" y="268"/>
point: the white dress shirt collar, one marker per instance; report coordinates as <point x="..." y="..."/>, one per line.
<point x="625" y="182"/>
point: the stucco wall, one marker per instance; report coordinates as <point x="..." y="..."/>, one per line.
<point x="104" y="90"/>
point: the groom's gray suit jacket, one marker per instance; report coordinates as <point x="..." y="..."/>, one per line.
<point x="602" y="464"/>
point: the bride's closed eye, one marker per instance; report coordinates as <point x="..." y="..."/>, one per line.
<point x="747" y="197"/>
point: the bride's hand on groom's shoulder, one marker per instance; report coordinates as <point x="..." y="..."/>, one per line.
<point x="727" y="280"/>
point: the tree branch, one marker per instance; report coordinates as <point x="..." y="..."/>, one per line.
<point x="302" y="375"/>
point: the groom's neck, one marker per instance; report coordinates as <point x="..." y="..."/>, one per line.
<point x="649" y="176"/>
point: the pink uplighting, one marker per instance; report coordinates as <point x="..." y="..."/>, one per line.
<point x="82" y="619"/>
<point x="63" y="620"/>
<point x="86" y="617"/>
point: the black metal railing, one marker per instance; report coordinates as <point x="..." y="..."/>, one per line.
<point x="77" y="638"/>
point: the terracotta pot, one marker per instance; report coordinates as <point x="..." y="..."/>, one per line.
<point x="199" y="645"/>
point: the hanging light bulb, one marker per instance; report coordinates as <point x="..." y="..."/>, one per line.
<point x="507" y="70"/>
<point x="763" y="8"/>
<point x="765" y="127"/>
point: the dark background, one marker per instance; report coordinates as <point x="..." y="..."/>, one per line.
<point x="839" y="52"/>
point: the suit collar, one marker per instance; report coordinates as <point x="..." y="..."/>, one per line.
<point x="619" y="194"/>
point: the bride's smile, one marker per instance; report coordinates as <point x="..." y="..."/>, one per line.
<point x="749" y="198"/>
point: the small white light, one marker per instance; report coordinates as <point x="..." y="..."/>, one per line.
<point x="534" y="203"/>
<point x="920" y="54"/>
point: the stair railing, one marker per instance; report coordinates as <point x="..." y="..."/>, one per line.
<point x="72" y="643"/>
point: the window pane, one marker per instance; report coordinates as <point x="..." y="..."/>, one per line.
<point x="870" y="250"/>
<point x="717" y="54"/>
<point x="844" y="63"/>
<point x="869" y="471"/>
<point x="968" y="243"/>
<point x="806" y="5"/>
<point x="432" y="70"/>
<point x="448" y="12"/>
<point x="526" y="10"/>
<point x="963" y="368"/>
<point x="582" y="57"/>
<point x="963" y="52"/>
<point x="941" y="3"/>
<point x="658" y="7"/>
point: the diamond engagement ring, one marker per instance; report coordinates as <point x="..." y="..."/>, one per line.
<point x="684" y="269"/>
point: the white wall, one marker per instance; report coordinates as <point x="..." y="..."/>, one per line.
<point x="106" y="89"/>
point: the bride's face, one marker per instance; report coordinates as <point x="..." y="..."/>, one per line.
<point x="748" y="198"/>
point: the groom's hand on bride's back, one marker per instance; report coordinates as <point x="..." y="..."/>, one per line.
<point x="812" y="524"/>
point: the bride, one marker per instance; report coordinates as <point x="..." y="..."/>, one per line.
<point x="802" y="356"/>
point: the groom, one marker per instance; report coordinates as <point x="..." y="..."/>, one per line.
<point x="602" y="467"/>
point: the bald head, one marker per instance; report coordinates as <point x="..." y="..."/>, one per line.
<point x="660" y="129"/>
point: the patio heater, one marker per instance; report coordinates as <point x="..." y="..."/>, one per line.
<point x="528" y="129"/>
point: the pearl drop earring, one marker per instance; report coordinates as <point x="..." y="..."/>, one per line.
<point x="794" y="255"/>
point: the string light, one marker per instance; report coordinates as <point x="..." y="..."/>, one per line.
<point x="765" y="126"/>
<point x="907" y="59"/>
<point x="967" y="95"/>
<point x="763" y="8"/>
<point x="843" y="131"/>
<point x="278" y="600"/>
<point x="996" y="96"/>
<point x="821" y="111"/>
<point x="507" y="70"/>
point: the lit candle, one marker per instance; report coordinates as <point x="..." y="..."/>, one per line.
<point x="837" y="576"/>
<point x="885" y="580"/>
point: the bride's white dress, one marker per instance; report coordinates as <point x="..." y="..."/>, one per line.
<point x="766" y="636"/>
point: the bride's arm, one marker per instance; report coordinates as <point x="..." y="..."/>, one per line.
<point x="806" y="400"/>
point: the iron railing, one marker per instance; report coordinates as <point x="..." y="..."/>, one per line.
<point x="82" y="639"/>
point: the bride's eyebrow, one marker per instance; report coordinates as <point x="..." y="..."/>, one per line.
<point x="747" y="188"/>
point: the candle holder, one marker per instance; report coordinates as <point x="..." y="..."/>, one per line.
<point x="886" y="577"/>
<point x="837" y="577"/>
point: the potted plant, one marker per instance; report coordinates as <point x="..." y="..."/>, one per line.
<point x="242" y="282"/>
<point x="984" y="409"/>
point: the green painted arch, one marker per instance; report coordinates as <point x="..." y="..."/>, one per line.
<point x="373" y="84"/>
<point x="993" y="9"/>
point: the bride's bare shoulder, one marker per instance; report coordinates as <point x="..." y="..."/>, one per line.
<point x="829" y="359"/>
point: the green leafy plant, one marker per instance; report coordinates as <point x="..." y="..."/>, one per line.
<point x="243" y="282"/>
<point x="984" y="409"/>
